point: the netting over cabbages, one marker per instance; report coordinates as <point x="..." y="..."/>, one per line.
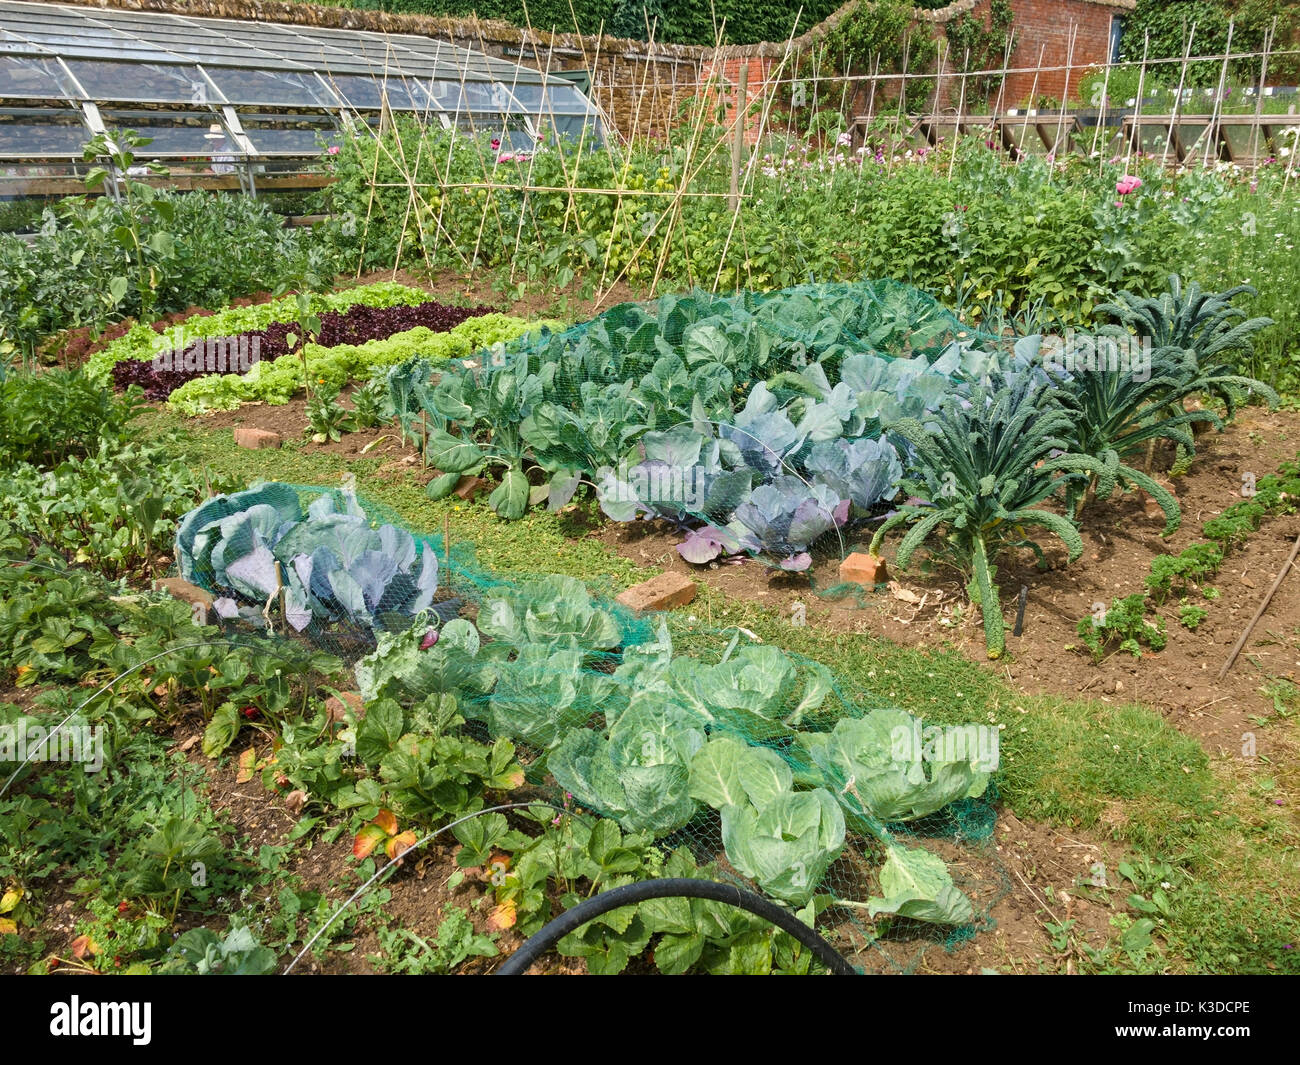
<point x="763" y="763"/>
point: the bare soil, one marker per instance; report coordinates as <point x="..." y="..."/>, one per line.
<point x="1120" y="542"/>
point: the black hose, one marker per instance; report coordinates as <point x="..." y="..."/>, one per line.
<point x="673" y="887"/>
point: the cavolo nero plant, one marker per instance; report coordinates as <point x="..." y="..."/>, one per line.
<point x="979" y="470"/>
<point x="1193" y="336"/>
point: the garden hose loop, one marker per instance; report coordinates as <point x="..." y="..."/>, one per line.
<point x="673" y="887"/>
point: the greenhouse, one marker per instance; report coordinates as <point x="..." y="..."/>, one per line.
<point x="221" y="97"/>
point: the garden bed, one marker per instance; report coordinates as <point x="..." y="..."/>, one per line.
<point x="1120" y="543"/>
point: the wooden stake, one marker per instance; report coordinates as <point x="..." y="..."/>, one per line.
<point x="279" y="591"/>
<point x="738" y="138"/>
<point x="1065" y="92"/>
<point x="1178" y="99"/>
<point x="1245" y="634"/>
<point x="1101" y="114"/>
<point x="446" y="550"/>
<point x="1136" y="135"/>
<point x="1214" y="132"/>
<point x="1259" y="93"/>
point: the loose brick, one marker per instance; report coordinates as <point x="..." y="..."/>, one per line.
<point x="470" y="486"/>
<point x="336" y="706"/>
<point x="182" y="589"/>
<point x="660" y="593"/>
<point x="864" y="569"/>
<point x="247" y="436"/>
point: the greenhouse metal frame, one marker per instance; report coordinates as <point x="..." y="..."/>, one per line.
<point x="250" y="100"/>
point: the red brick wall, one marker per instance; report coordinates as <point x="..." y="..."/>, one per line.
<point x="1045" y="26"/>
<point x="758" y="70"/>
<point x="1042" y="32"/>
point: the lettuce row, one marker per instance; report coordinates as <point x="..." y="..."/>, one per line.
<point x="142" y="342"/>
<point x="277" y="381"/>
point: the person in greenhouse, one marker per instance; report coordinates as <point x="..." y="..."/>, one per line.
<point x="222" y="161"/>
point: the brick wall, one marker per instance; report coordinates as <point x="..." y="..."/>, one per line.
<point x="1043" y="29"/>
<point x="642" y="88"/>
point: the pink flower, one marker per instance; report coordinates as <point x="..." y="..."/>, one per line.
<point x="1127" y="184"/>
<point x="496" y="143"/>
<point x="333" y="149"/>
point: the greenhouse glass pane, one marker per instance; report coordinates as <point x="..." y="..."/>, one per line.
<point x="552" y="99"/>
<point x="144" y="82"/>
<point x="288" y="134"/>
<point x="31" y="77"/>
<point x="174" y="134"/>
<point x="365" y="93"/>
<point x="355" y="90"/>
<point x="263" y="87"/>
<point x="570" y="128"/>
<point x="33" y="134"/>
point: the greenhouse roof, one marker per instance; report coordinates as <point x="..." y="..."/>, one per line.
<point x="81" y="55"/>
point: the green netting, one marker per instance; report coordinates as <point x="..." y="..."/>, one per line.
<point x="761" y="761"/>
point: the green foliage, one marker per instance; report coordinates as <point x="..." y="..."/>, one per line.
<point x="456" y="940"/>
<point x="788" y="843"/>
<point x="201" y="952"/>
<point x="1125" y="627"/>
<point x="554" y="611"/>
<point x="1164" y="28"/>
<point x="50" y="416"/>
<point x="1177" y="574"/>
<point x="678" y="21"/>
<point x="973" y="230"/>
<point x="974" y="45"/>
<point x="862" y="758"/>
<point x="1211" y="333"/>
<point x="869" y="37"/>
<point x="916" y="884"/>
<point x="429" y="770"/>
<point x="141" y="342"/>
<point x="982" y="468"/>
<point x="1191" y="335"/>
<point x="277" y="381"/>
<point x="370" y="405"/>
<point x="1190" y="616"/>
<point x="186" y="249"/>
<point x="327" y="418"/>
<point x="140" y="208"/>
<point x="639" y="775"/>
<point x="1233" y="527"/>
<point x="115" y="510"/>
